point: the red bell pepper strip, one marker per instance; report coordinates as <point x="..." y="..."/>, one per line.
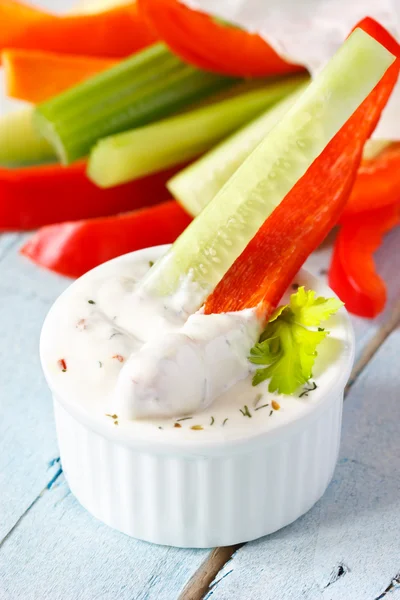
<point x="377" y="183"/>
<point x="352" y="273"/>
<point x="112" y="33"/>
<point x="36" y="196"/>
<point x="210" y="45"/>
<point x="72" y="249"/>
<point x="264" y="270"/>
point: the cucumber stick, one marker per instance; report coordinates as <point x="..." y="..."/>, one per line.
<point x="148" y="86"/>
<point x="213" y="241"/>
<point x="20" y="143"/>
<point x="154" y="147"/>
<point x="198" y="183"/>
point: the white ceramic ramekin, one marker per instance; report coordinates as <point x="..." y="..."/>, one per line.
<point x="200" y="495"/>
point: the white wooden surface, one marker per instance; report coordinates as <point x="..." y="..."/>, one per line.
<point x="51" y="548"/>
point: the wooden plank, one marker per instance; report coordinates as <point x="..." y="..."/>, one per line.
<point x="38" y="513"/>
<point x="348" y="546"/>
<point x="27" y="436"/>
<point x="387" y="260"/>
<point x="59" y="551"/>
<point x="28" y="450"/>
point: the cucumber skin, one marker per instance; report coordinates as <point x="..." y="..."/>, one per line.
<point x="132" y="154"/>
<point x="196" y="185"/>
<point x="213" y="241"/>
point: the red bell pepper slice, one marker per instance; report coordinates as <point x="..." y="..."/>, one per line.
<point x="36" y="196"/>
<point x="205" y="43"/>
<point x="72" y="249"/>
<point x="116" y="32"/>
<point x="264" y="270"/>
<point x="377" y="183"/>
<point x="352" y="273"/>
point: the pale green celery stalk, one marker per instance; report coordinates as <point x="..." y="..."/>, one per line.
<point x="154" y="147"/>
<point x="148" y="86"/>
<point x="214" y="239"/>
<point x="20" y="143"/>
<point x="196" y="185"/>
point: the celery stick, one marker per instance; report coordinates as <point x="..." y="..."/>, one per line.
<point x="213" y="241"/>
<point x="148" y="86"/>
<point x="19" y="141"/>
<point x="148" y="149"/>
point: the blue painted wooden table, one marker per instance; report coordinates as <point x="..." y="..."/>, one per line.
<point x="346" y="548"/>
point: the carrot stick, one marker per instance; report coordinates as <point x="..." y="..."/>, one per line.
<point x="113" y="33"/>
<point x="35" y="76"/>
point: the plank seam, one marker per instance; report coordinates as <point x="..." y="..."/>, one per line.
<point x="394" y="584"/>
<point x="199" y="584"/>
<point x="47" y="487"/>
<point x="215" y="583"/>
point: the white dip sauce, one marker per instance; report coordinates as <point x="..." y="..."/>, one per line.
<point x="133" y="362"/>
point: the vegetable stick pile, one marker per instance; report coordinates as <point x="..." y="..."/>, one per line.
<point x="120" y="99"/>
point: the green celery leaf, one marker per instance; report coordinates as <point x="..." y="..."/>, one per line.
<point x="260" y="354"/>
<point x="287" y="347"/>
<point x="277" y="313"/>
<point x="310" y="311"/>
<point x="306" y="343"/>
<point x="285" y="368"/>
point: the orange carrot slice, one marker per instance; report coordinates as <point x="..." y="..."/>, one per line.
<point x="264" y="270"/>
<point x="113" y="33"/>
<point x="35" y="76"/>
